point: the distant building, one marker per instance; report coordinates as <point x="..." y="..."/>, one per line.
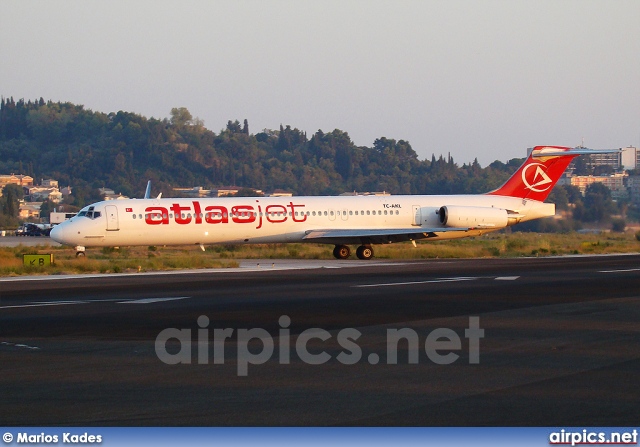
<point x="613" y="160"/>
<point x="196" y="191"/>
<point x="49" y="183"/>
<point x="630" y="158"/>
<point x="109" y="194"/>
<point x="615" y="182"/>
<point x="633" y="187"/>
<point x="12" y="179"/>
<point x="59" y="217"/>
<point x="30" y="210"/>
<point x="115" y="197"/>
<point x="39" y="193"/>
<point x="627" y="159"/>
<point x="106" y="191"/>
<point x="281" y="193"/>
<point x="374" y="193"/>
<point x="232" y="190"/>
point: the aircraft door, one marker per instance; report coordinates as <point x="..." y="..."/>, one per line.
<point x="112" y="218"/>
<point x="417" y="215"/>
<point x="332" y="215"/>
<point x="345" y="214"/>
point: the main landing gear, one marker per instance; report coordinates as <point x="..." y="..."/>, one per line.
<point x="364" y="252"/>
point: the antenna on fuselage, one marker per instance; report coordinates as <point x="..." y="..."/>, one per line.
<point x="147" y="193"/>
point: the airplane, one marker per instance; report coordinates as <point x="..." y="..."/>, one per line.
<point x="340" y="221"/>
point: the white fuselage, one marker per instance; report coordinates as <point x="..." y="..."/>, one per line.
<point x="251" y="220"/>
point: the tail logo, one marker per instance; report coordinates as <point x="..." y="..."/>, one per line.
<point x="538" y="179"/>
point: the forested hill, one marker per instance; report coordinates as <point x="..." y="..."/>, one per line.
<point x="122" y="150"/>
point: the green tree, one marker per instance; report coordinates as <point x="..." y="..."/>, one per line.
<point x="560" y="197"/>
<point x="10" y="201"/>
<point x="598" y="205"/>
<point x="180" y="116"/>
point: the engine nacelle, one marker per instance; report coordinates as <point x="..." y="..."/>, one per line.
<point x="473" y="217"/>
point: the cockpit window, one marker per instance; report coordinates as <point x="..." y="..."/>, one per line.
<point x="90" y="214"/>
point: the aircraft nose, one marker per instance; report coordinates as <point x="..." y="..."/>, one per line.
<point x="57" y="233"/>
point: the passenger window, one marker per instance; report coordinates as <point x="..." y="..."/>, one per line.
<point x="134" y="216"/>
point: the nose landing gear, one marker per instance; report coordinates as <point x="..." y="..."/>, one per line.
<point x="80" y="251"/>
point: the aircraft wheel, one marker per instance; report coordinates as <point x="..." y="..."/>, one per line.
<point x="80" y="254"/>
<point x="341" y="252"/>
<point x="364" y="252"/>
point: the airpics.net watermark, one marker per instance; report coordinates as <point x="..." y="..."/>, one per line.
<point x="256" y="346"/>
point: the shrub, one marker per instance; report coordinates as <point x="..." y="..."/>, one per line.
<point x="618" y="225"/>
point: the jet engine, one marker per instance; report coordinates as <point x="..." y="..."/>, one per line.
<point x="474" y="217"/>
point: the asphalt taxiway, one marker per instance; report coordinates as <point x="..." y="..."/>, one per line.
<point x="561" y="344"/>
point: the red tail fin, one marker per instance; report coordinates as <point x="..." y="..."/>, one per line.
<point x="539" y="173"/>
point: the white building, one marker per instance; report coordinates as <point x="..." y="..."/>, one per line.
<point x="630" y="158"/>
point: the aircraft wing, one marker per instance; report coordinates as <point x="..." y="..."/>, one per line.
<point x="375" y="236"/>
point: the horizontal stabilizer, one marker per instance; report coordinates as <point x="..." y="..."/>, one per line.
<point x="577" y="151"/>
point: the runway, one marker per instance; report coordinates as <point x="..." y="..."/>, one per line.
<point x="560" y="347"/>
<point x="27" y="241"/>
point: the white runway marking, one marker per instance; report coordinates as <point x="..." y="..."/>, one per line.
<point x="507" y="278"/>
<point x="620" y="271"/>
<point x="112" y="300"/>
<point x="417" y="282"/>
<point x="154" y="300"/>
<point x="54" y="303"/>
<point x="18" y="345"/>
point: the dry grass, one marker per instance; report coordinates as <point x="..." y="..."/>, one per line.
<point x="142" y="259"/>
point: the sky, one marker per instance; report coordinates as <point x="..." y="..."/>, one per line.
<point x="484" y="79"/>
